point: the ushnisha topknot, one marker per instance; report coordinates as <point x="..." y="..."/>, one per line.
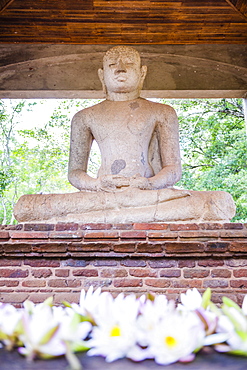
<point x="122" y="49"/>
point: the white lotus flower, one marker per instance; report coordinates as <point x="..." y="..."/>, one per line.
<point x="151" y="313"/>
<point x="10" y="319"/>
<point x="244" y="305"/>
<point x="191" y="300"/>
<point x="40" y="334"/>
<point x="175" y="338"/>
<point x="90" y="302"/>
<point x="115" y="334"/>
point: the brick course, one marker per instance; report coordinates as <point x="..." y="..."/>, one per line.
<point x="42" y="260"/>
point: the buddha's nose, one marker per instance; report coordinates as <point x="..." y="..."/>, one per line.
<point x="120" y="66"/>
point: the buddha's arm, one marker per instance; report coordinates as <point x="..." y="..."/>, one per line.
<point x="168" y="136"/>
<point x="80" y="144"/>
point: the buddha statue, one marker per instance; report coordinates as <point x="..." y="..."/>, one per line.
<point x="140" y="160"/>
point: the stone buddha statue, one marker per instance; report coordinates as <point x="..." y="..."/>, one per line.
<point x="140" y="160"/>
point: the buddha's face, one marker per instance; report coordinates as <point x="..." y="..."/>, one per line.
<point x="122" y="71"/>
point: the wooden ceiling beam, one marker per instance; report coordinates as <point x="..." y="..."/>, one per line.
<point x="4" y="4"/>
<point x="240" y="7"/>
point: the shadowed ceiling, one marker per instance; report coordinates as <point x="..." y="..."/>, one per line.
<point x="123" y="21"/>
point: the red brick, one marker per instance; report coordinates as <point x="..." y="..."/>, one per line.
<point x="41" y="273"/>
<point x="105" y="262"/>
<point x="63" y="226"/>
<point x="177" y="227"/>
<point x="217" y="247"/>
<point x="236" y="262"/>
<point x="85" y="272"/>
<point x="124" y="247"/>
<point x="150" y="226"/>
<point x="132" y="234"/>
<point x="238" y="246"/>
<point x="195" y="273"/>
<point x="66" y="296"/>
<point x="4" y="235"/>
<point x="88" y="246"/>
<point x="76" y="283"/>
<point x="34" y="283"/>
<point x="233" y="233"/>
<point x="9" y="283"/>
<point x="62" y="272"/>
<point x="215" y="283"/>
<point x="221" y="273"/>
<point x="68" y="234"/>
<point x="158" y="283"/>
<point x="210" y="226"/>
<point x="233" y="225"/>
<point x="186" y="263"/>
<point x="162" y="263"/>
<point x="96" y="283"/>
<point x="10" y="262"/>
<point x="133" y="263"/>
<point x="217" y="297"/>
<point x="112" y="273"/>
<point x="240" y="273"/>
<point x="139" y="272"/>
<point x="101" y="235"/>
<point x="39" y="262"/>
<point x="75" y="262"/>
<point x="186" y="284"/>
<point x="211" y="263"/>
<point x="99" y="226"/>
<point x="198" y="234"/>
<point x="238" y="283"/>
<point x="13" y="273"/>
<point x="39" y="297"/>
<point x="17" y="247"/>
<point x="162" y="235"/>
<point x="13" y="298"/>
<point x="125" y="283"/>
<point x="149" y="248"/>
<point x="49" y="247"/>
<point x="12" y="227"/>
<point x="122" y="226"/>
<point x="57" y="283"/>
<point x="29" y="234"/>
<point x="170" y="273"/>
<point x="39" y="227"/>
<point x="183" y="247"/>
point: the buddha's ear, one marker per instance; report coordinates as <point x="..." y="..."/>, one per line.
<point x="143" y="74"/>
<point x="101" y="77"/>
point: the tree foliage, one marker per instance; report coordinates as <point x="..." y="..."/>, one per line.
<point x="34" y="159"/>
<point x="214" y="148"/>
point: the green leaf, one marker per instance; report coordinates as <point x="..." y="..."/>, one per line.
<point x="206" y="298"/>
<point x="228" y="302"/>
<point x="48" y="335"/>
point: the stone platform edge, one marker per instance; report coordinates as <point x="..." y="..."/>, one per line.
<point x="42" y="260"/>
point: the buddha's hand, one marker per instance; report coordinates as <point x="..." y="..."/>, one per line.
<point x="113" y="183"/>
<point x="140" y="183"/>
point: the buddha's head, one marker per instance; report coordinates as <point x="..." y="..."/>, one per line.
<point x="122" y="72"/>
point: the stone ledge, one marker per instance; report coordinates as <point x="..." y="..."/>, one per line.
<point x="121" y="240"/>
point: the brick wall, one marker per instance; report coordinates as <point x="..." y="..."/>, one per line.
<point x="42" y="260"/>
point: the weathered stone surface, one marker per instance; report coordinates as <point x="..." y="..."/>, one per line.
<point x="139" y="145"/>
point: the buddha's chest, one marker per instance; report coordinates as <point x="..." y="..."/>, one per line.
<point x="123" y="125"/>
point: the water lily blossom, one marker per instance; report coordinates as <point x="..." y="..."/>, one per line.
<point x="175" y="338"/>
<point x="115" y="333"/>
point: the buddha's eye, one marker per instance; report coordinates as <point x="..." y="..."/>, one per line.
<point x="112" y="64"/>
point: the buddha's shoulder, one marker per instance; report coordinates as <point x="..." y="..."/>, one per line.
<point x="158" y="107"/>
<point x="86" y="113"/>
